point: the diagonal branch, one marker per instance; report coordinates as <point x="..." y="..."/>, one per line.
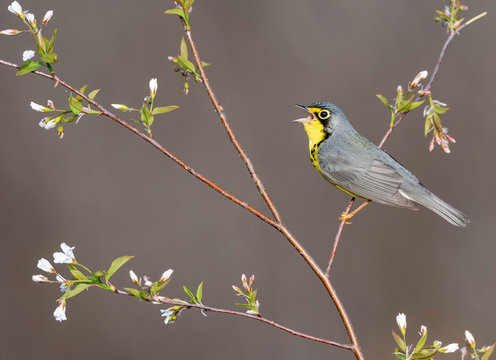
<point x="155" y="144"/>
<point x="167" y="301"/>
<point x="222" y="115"/>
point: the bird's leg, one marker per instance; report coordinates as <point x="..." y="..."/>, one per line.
<point x="346" y="217"/>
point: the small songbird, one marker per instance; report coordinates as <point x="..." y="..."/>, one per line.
<point x="361" y="169"/>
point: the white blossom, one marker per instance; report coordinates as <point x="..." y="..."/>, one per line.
<point x="121" y="107"/>
<point x="133" y="277"/>
<point x="10" y="32"/>
<point x="167" y="314"/>
<point x="153" y="87"/>
<point x="47" y="17"/>
<point x="401" y="321"/>
<point x="59" y="313"/>
<point x="45" y="265"/>
<point x="28" y="54"/>
<point x="39" y="278"/>
<point x="63" y="283"/>
<point x="15" y="8"/>
<point x="469" y="338"/>
<point x="31" y="19"/>
<point x="449" y="348"/>
<point x="38" y="107"/>
<point x="166" y="275"/>
<point x="420" y="76"/>
<point x="65" y="257"/>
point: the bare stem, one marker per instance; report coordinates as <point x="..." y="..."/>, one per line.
<point x="260" y="318"/>
<point x="338" y="235"/>
<point x="222" y="115"/>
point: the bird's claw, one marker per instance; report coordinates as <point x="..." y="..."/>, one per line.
<point x="345" y="217"/>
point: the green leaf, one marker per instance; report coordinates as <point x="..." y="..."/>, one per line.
<point x="75" y="105"/>
<point x="92" y="94"/>
<point x="164" y="109"/>
<point x="488" y="353"/>
<point x="188" y="4"/>
<point x="440" y="109"/>
<point x="116" y="264"/>
<point x="70" y="119"/>
<point x="76" y="273"/>
<point x="78" y="288"/>
<point x="137" y="293"/>
<point x="421" y="342"/>
<point x="398" y="355"/>
<point x="424" y="354"/>
<point x="248" y="306"/>
<point x="384" y="100"/>
<point x="427" y="125"/>
<point x="50" y="58"/>
<point x="146" y="116"/>
<point x="183" y="48"/>
<point x="199" y="292"/>
<point x="415" y="104"/>
<point x="190" y="294"/>
<point x="99" y="273"/>
<point x="175" y="11"/>
<point x="205" y="64"/>
<point x="28" y="66"/>
<point x="399" y="341"/>
<point x="49" y="47"/>
<point x="186" y="64"/>
<point x="83" y="90"/>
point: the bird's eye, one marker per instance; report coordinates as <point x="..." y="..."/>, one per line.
<point x="324" y="114"/>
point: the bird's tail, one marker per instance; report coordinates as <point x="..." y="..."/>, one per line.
<point x="440" y="207"/>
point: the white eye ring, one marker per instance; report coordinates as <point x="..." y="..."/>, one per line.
<point x="324" y="114"/>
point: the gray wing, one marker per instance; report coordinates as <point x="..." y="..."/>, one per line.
<point x="374" y="180"/>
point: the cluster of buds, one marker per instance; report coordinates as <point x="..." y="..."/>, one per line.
<point x="64" y="257"/>
<point x="471" y="350"/>
<point x="249" y="294"/>
<point x="432" y="114"/>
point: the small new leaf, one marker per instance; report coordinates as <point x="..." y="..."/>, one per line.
<point x="384" y="100"/>
<point x="75" y="105"/>
<point x="28" y="66"/>
<point x="92" y="94"/>
<point x="76" y="273"/>
<point x="139" y="294"/>
<point x="424" y="354"/>
<point x="399" y="341"/>
<point x="199" y="292"/>
<point x="78" y="288"/>
<point x="116" y="264"/>
<point x="164" y="109"/>
<point x="488" y="353"/>
<point x="421" y="342"/>
<point x="183" y="48"/>
<point x="175" y="11"/>
<point x="146" y="116"/>
<point x="190" y="294"/>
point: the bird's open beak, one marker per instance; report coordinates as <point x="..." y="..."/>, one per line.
<point x="306" y="119"/>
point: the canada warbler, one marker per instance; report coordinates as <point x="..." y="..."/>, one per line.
<point x="361" y="169"/>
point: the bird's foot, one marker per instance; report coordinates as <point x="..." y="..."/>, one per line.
<point x="345" y="217"/>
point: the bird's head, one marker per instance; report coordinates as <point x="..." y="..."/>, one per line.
<point x="322" y="118"/>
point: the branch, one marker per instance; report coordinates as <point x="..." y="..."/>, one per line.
<point x="167" y="301"/>
<point x="220" y="110"/>
<point x="154" y="143"/>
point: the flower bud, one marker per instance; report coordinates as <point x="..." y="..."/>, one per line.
<point x="401" y="321"/>
<point x="469" y="339"/>
<point x="47" y="17"/>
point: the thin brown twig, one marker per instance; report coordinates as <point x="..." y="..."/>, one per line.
<point x="338" y="235"/>
<point x="222" y="115"/>
<point x="398" y="120"/>
<point x="154" y="143"/>
<point x="260" y="318"/>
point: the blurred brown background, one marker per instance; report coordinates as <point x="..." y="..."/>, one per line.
<point x="109" y="193"/>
